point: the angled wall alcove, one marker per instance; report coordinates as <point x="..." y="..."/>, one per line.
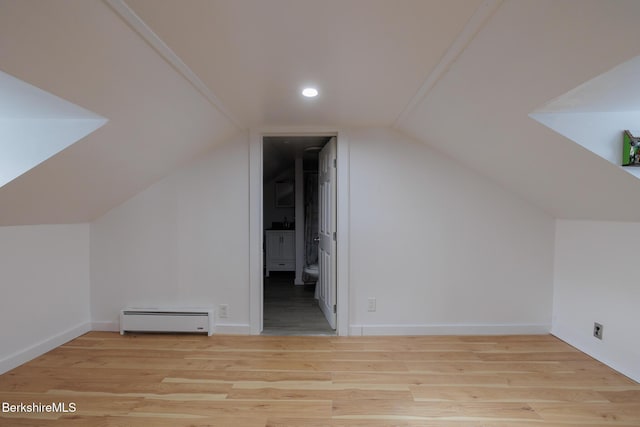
<point x="596" y="113"/>
<point x="35" y="125"/>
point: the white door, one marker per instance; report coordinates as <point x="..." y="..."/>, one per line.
<point x="327" y="231"/>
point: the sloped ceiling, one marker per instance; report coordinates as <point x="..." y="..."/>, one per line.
<point x="528" y="54"/>
<point x="82" y="51"/>
<point x="376" y="63"/>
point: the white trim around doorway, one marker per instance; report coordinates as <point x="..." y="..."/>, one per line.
<point x="256" y="226"/>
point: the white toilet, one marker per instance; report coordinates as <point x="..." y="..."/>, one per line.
<point x="311" y="271"/>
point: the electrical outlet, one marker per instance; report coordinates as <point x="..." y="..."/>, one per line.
<point x="371" y="304"/>
<point x="597" y="330"/>
<point x="223" y="311"/>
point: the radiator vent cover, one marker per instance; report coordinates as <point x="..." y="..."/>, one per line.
<point x="195" y="320"/>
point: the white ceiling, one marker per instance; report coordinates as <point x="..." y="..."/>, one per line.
<point x="376" y="63"/>
<point x="367" y="57"/>
<point x="615" y="90"/>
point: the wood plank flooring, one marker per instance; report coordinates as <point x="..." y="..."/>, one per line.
<point x="193" y="380"/>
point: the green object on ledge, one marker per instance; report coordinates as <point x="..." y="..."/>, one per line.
<point x="630" y="150"/>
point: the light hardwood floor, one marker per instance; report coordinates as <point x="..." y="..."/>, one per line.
<point x="190" y="380"/>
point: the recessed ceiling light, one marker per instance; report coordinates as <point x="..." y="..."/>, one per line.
<point x="310" y="92"/>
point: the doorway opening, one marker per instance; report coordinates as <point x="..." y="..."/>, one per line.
<point x="299" y="241"/>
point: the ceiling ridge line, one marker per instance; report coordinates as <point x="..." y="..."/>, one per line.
<point x="139" y="26"/>
<point x="477" y="21"/>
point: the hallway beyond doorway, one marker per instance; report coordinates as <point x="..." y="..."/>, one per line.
<point x="291" y="309"/>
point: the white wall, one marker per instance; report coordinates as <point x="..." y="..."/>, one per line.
<point x="596" y="280"/>
<point x="442" y="249"/>
<point x="45" y="274"/>
<point x="181" y="242"/>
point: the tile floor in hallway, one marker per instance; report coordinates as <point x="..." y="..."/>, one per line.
<point x="291" y="309"/>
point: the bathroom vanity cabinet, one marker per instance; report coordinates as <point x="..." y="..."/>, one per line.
<point x="280" y="247"/>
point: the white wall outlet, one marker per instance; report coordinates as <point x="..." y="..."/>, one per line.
<point x="371" y="304"/>
<point x="597" y="330"/>
<point x="223" y="311"/>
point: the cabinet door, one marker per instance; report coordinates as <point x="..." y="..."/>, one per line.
<point x="274" y="245"/>
<point x="288" y="246"/>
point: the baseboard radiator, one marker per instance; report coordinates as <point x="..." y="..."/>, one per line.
<point x="194" y="320"/>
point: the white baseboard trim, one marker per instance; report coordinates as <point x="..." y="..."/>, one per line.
<point x="231" y="329"/>
<point x="598" y="352"/>
<point x="20" y="357"/>
<point x="105" y="326"/>
<point x="451" y="329"/>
